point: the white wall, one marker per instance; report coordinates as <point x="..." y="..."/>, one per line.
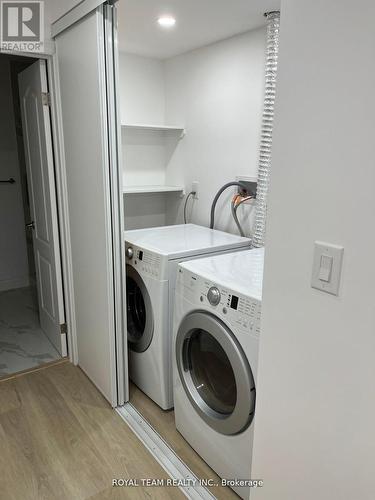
<point x="217" y="93"/>
<point x="142" y="101"/>
<point x="314" y="433"/>
<point x="13" y="252"/>
<point x="143" y="210"/>
<point x="142" y="89"/>
<point x="142" y="96"/>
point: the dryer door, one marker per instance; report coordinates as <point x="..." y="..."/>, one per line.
<point x="215" y="373"/>
<point x="140" y="318"/>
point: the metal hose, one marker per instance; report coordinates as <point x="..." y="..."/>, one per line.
<point x="234" y="207"/>
<point x="273" y="27"/>
<point x="235" y="218"/>
<point x="217" y="196"/>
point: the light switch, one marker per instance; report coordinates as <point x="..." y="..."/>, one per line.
<point x="325" y="272"/>
<point x="327" y="265"/>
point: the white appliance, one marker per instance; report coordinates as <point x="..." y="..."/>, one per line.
<point x="216" y="336"/>
<point x="152" y="256"/>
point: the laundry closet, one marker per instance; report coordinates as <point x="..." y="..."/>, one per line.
<point x="191" y="106"/>
<point x="166" y="290"/>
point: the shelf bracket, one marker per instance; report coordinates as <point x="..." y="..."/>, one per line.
<point x="183" y="133"/>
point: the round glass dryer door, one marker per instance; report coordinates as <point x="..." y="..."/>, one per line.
<point x="140" y="322"/>
<point x="215" y="373"/>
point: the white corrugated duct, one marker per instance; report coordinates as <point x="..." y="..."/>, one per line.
<point x="273" y="27"/>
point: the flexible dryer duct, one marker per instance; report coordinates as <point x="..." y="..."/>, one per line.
<point x="273" y="26"/>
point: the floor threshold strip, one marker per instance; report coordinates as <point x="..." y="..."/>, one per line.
<point x="163" y="453"/>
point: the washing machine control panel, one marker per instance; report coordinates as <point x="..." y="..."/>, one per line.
<point x="234" y="308"/>
<point x="146" y="262"/>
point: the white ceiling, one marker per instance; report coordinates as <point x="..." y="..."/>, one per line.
<point x="199" y="23"/>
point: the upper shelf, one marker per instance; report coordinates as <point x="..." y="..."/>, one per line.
<point x="152" y="189"/>
<point x="148" y="126"/>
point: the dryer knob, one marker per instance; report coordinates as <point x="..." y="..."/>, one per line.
<point x="129" y="253"/>
<point x="214" y="296"/>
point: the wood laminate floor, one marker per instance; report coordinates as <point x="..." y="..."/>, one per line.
<point x="163" y="422"/>
<point x="60" y="439"/>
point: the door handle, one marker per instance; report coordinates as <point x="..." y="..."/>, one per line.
<point x="30" y="225"/>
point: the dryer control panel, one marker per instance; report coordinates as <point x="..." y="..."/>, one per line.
<point x="234" y="308"/>
<point x="146" y="262"/>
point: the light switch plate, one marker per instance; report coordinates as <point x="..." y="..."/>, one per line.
<point x="321" y="279"/>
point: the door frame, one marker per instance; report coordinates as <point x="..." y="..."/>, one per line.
<point x="50" y="57"/>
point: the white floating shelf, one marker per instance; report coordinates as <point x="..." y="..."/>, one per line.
<point x="152" y="189"/>
<point x="147" y="126"/>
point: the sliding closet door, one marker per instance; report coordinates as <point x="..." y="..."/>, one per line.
<point x="116" y="181"/>
<point x="91" y="163"/>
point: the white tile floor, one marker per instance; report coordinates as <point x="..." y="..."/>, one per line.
<point x="23" y="344"/>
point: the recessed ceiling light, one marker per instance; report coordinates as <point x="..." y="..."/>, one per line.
<point x="166" y="21"/>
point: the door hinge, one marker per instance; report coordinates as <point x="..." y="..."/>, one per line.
<point x="46" y="99"/>
<point x="63" y="328"/>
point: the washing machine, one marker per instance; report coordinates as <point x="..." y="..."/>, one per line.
<point x="152" y="256"/>
<point x="215" y="337"/>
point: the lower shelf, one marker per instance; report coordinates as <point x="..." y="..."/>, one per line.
<point x="152" y="189"/>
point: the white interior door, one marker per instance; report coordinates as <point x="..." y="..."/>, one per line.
<point x="36" y="126"/>
<point x="91" y="169"/>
